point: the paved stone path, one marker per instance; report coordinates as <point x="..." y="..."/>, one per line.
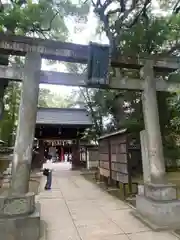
<point x="76" y="209"/>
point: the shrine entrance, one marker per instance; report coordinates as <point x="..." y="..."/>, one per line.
<point x="61" y="129"/>
<point x="156" y="198"/>
<point x="63" y="149"/>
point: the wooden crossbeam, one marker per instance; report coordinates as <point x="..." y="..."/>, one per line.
<point x="70" y="52"/>
<point x="70" y="79"/>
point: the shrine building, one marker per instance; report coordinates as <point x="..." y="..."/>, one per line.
<point x="63" y="129"/>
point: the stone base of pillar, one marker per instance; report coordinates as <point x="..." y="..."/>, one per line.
<point x="76" y="167"/>
<point x="158" y="207"/>
<point x="19" y="217"/>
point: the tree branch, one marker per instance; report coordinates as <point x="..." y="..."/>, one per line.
<point x="171" y="50"/>
<point x="124" y="12"/>
<point x="123" y="5"/>
<point x="89" y="104"/>
<point x="142" y="12"/>
<point x="41" y="30"/>
<point x="176" y="7"/>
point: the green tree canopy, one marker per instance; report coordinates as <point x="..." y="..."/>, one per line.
<point x="50" y="99"/>
<point x="41" y="18"/>
<point x="137" y="28"/>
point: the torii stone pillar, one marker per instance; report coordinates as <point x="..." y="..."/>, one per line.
<point x="145" y="157"/>
<point x="157" y="205"/>
<point x="19" y="214"/>
<point x="26" y="124"/>
<point x="152" y="126"/>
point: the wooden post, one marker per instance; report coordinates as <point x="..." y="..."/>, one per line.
<point x="110" y="162"/>
<point x="26" y="125"/>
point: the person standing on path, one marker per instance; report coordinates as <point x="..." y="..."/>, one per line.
<point x="47" y="171"/>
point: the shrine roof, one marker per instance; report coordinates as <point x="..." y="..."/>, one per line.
<point x="119" y="132"/>
<point x="63" y="116"/>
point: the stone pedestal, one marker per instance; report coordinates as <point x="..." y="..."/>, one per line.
<point x="158" y="207"/>
<point x="19" y="217"/>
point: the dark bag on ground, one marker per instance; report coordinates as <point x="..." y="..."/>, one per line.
<point x="46" y="172"/>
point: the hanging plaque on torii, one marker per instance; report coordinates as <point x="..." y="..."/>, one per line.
<point x="98" y="64"/>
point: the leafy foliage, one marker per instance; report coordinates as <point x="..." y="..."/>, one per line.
<point x="138" y="28"/>
<point x="42" y="18"/>
<point x="51" y="99"/>
<point x="7" y="125"/>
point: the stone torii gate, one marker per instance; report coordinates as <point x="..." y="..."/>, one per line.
<point x="158" y="198"/>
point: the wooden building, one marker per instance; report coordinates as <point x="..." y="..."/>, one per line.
<point x="64" y="126"/>
<point x="92" y="157"/>
<point x="120" y="157"/>
<point x="89" y="155"/>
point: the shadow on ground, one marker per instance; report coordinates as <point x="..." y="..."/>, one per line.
<point x="173" y="177"/>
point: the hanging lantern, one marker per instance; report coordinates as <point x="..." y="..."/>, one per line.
<point x="98" y="64"/>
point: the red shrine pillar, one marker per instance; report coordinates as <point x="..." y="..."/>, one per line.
<point x="62" y="154"/>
